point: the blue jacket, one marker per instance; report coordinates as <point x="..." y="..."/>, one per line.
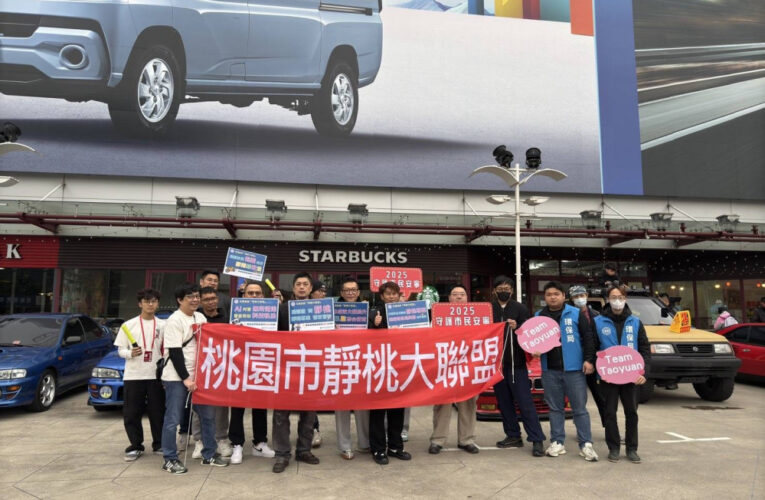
<point x="609" y="336"/>
<point x="570" y="339"/>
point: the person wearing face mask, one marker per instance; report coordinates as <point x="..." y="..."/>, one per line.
<point x="578" y="296"/>
<point x="618" y="326"/>
<point x="515" y="387"/>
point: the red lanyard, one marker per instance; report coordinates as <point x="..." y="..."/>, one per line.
<point x="153" y="333"/>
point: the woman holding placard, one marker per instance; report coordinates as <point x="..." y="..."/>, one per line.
<point x="617" y="326"/>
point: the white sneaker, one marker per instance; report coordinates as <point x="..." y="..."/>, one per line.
<point x="555" y="449"/>
<point x="197" y="450"/>
<point x="262" y="450"/>
<point x="236" y="454"/>
<point x="588" y="453"/>
<point x="224" y="448"/>
<point x="182" y="442"/>
<point x="316" y="442"/>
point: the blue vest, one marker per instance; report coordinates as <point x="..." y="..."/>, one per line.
<point x="608" y="336"/>
<point x="571" y="342"/>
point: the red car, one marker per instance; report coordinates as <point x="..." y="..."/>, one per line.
<point x="748" y="342"/>
<point x="488" y="409"/>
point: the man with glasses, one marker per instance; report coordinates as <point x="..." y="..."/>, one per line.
<point x="212" y="279"/>
<point x="515" y="387"/>
<point x="349" y="292"/>
<point x="466" y="416"/>
<point x="142" y="389"/>
<point x="252" y="290"/>
<point x="178" y="378"/>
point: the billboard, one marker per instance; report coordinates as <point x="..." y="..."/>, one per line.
<point x="378" y="93"/>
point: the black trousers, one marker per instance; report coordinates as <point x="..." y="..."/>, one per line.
<point x="628" y="393"/>
<point x="259" y="426"/>
<point x="597" y="396"/>
<point x="377" y="434"/>
<point x="140" y="396"/>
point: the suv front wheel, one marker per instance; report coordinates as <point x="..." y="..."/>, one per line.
<point x="715" y="389"/>
<point x="335" y="107"/>
<point x="147" y="100"/>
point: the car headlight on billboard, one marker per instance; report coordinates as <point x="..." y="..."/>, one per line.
<point x="662" y="349"/>
<point x="12" y="374"/>
<point x="99" y="372"/>
<point x="723" y="349"/>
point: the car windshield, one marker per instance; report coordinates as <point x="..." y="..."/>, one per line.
<point x="648" y="311"/>
<point x="29" y="332"/>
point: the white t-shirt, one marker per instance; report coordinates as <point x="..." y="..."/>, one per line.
<point x="149" y="339"/>
<point x="178" y="329"/>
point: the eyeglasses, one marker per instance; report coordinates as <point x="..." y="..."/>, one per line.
<point x="192" y="296"/>
<point x="350" y="290"/>
<point x="210" y="299"/>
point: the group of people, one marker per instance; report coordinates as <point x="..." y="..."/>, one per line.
<point x="161" y="356"/>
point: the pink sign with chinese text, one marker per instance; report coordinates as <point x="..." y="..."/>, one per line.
<point x="408" y="279"/>
<point x="538" y="334"/>
<point x="467" y="314"/>
<point x="620" y="365"/>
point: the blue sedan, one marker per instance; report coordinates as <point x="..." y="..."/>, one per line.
<point x="105" y="386"/>
<point x="43" y="355"/>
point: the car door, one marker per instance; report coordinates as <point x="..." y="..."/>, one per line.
<point x="739" y="342"/>
<point x="98" y="344"/>
<point x="285" y="41"/>
<point x="214" y="34"/>
<point x="755" y="351"/>
<point x="72" y="355"/>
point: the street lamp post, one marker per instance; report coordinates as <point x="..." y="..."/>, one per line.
<point x="515" y="177"/>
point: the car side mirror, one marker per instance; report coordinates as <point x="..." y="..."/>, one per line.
<point x="74" y="339"/>
<point x="664" y="312"/>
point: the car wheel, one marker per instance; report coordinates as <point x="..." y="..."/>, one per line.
<point x="45" y="393"/>
<point x="335" y="107"/>
<point x="645" y="391"/>
<point x="715" y="389"/>
<point x="147" y="100"/>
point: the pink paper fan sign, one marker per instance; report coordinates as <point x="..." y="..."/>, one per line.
<point x="539" y="334"/>
<point x="620" y="365"/>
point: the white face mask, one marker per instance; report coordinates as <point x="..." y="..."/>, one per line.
<point x="617" y="304"/>
<point x="580" y="302"/>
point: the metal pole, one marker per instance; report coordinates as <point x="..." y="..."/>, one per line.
<point x="518" y="294"/>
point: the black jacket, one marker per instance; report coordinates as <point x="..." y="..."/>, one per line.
<point x="219" y="318"/>
<point x="514" y="355"/>
<point x="373" y="312"/>
<point x="643" y="347"/>
<point x="759" y="315"/>
<point x="604" y="278"/>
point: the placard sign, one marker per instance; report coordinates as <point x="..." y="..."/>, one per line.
<point x="244" y="264"/>
<point x="255" y="313"/>
<point x="681" y="323"/>
<point x="538" y="334"/>
<point x="312" y="314"/>
<point x="412" y="314"/>
<point x="467" y="314"/>
<point x="408" y="279"/>
<point x="351" y="315"/>
<point x="620" y="365"/>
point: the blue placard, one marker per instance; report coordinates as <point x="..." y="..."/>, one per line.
<point x="351" y="315"/>
<point x="257" y="313"/>
<point x="312" y="314"/>
<point x="412" y="314"/>
<point x="244" y="264"/>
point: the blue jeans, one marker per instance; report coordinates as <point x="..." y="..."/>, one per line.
<point x="175" y="401"/>
<point x="509" y="393"/>
<point x="559" y="384"/>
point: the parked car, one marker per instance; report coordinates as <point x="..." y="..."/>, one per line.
<point x="43" y="355"/>
<point x="748" y="342"/>
<point x="146" y="58"/>
<point x="700" y="357"/>
<point x="105" y="386"/>
<point x="487" y="407"/>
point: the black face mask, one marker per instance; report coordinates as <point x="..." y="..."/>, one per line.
<point x="503" y="296"/>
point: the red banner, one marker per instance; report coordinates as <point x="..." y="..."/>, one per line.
<point x="345" y="369"/>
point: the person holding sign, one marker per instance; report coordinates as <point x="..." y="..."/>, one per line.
<point x="349" y="292"/>
<point x="515" y="387"/>
<point x="466" y="416"/>
<point x="563" y="372"/>
<point x="618" y="326"/>
<point x="139" y="341"/>
<point x="301" y="290"/>
<point x="389" y="293"/>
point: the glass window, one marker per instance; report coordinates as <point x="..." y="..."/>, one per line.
<point x="84" y="291"/>
<point x="26" y="290"/>
<point x="92" y="330"/>
<point x="73" y="329"/>
<point x="582" y="268"/>
<point x="754" y="290"/>
<point x="480" y="288"/>
<point x="165" y="283"/>
<point x="39" y="332"/>
<point x="757" y="335"/>
<point x="123" y="286"/>
<point x="633" y="270"/>
<point x="682" y="290"/>
<point x="738" y="335"/>
<point x="543" y="268"/>
<point x="713" y="294"/>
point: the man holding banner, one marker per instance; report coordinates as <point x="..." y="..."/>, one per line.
<point x="301" y="290"/>
<point x="515" y="387"/>
<point x="618" y="326"/>
<point x="563" y="372"/>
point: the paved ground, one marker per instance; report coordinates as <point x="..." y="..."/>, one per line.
<point x="74" y="452"/>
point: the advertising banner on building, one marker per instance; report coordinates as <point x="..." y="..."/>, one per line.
<point x="344" y="370"/>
